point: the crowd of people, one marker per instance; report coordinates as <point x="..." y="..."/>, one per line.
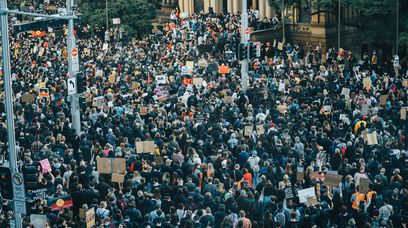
<point x="222" y="157"/>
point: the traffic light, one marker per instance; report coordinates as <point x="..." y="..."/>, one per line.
<point x="6" y="185"/>
<point x="30" y="177"/>
<point x="81" y="82"/>
<point x="242" y="51"/>
<point x="252" y="50"/>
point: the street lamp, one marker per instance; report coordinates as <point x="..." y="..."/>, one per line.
<point x="283" y="22"/>
<point x="338" y="22"/>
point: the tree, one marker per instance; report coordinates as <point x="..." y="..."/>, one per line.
<point x="135" y="15"/>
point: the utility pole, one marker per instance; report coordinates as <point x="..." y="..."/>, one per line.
<point x="107" y="15"/>
<point x="283" y="22"/>
<point x="76" y="118"/>
<point x="244" y="40"/>
<point x="11" y="140"/>
<point x="338" y="22"/>
<point x="397" y="35"/>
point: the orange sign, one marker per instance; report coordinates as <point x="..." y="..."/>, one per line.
<point x="223" y="69"/>
<point x="74" y="52"/>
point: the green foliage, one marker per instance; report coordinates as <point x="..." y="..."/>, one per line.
<point x="135" y="15"/>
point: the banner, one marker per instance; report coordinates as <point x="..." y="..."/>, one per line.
<point x="60" y="202"/>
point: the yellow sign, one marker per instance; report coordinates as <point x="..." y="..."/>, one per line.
<point x="90" y="218"/>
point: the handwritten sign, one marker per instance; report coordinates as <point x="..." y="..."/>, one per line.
<point x="119" y="165"/>
<point x="260" y="129"/>
<point x="364" y="186"/>
<point x="45" y="165"/>
<point x="248" y="130"/>
<point x="383" y="100"/>
<point x="104" y="165"/>
<point x="117" y="178"/>
<point x="332" y="180"/>
<point x="145" y="147"/>
<point x="372" y="139"/>
<point x="90" y="218"/>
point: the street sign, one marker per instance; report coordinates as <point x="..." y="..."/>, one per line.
<point x="116" y="21"/>
<point x="75" y="60"/>
<point x="20" y="207"/>
<point x="72" y="87"/>
<point x="18" y="187"/>
<point x="258" y="49"/>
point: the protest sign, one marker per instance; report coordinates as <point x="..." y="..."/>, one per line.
<point x="117" y="178"/>
<point x="364" y="186"/>
<point x="305" y="193"/>
<point x="45" y="165"/>
<point x="372" y="139"/>
<point x="198" y="82"/>
<point x="364" y="109"/>
<point x="119" y="165"/>
<point x="248" y="130"/>
<point x="27" y="98"/>
<point x="403" y="113"/>
<point x="345" y="91"/>
<point x="82" y="214"/>
<point x="161" y="79"/>
<point x="38" y="221"/>
<point x="112" y="79"/>
<point x="43" y="92"/>
<point x="228" y="99"/>
<point x="143" y="111"/>
<point x="288" y="193"/>
<point x="104" y="165"/>
<point x="312" y="201"/>
<point x="145" y="147"/>
<point x="405" y="83"/>
<point x="90" y="218"/>
<point x="185" y="70"/>
<point x="260" y="129"/>
<point x="38" y="194"/>
<point x="105" y="47"/>
<point x="223" y="69"/>
<point x="98" y="101"/>
<point x="135" y="85"/>
<point x="332" y="180"/>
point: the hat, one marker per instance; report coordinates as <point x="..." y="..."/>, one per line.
<point x="396" y="171"/>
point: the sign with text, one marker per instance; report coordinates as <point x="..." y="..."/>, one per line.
<point x="332" y="180"/>
<point x="145" y="147"/>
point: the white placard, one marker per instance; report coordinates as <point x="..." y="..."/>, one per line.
<point x="116" y="21"/>
<point x="305" y="193"/>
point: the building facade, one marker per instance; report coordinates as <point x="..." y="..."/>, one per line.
<point x="307" y="24"/>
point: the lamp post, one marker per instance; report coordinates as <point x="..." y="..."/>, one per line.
<point x="338" y="24"/>
<point x="397" y="30"/>
<point x="283" y="22"/>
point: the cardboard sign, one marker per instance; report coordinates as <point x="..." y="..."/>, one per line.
<point x="372" y="139"/>
<point x="143" y="111"/>
<point x="345" y="92"/>
<point x="38" y="221"/>
<point x="145" y="147"/>
<point x="306" y="193"/>
<point x="45" y="165"/>
<point x="288" y="193"/>
<point x="28" y="98"/>
<point x="104" y="165"/>
<point x="367" y="82"/>
<point x="119" y="165"/>
<point x="98" y="101"/>
<point x="41" y="84"/>
<point x="403" y="113"/>
<point x="248" y="130"/>
<point x="90" y="218"/>
<point x="112" y="79"/>
<point x="118" y="178"/>
<point x="364" y="186"/>
<point x="332" y="180"/>
<point x="280" y="46"/>
<point x="82" y="214"/>
<point x="312" y="201"/>
<point x="228" y="99"/>
<point x="223" y="69"/>
<point x="383" y="99"/>
<point x="260" y="129"/>
<point x="198" y="82"/>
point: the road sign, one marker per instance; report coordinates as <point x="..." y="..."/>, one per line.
<point x="19" y="193"/>
<point x="18" y="187"/>
<point x="72" y="87"/>
<point x="20" y="207"/>
<point x="75" y="60"/>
